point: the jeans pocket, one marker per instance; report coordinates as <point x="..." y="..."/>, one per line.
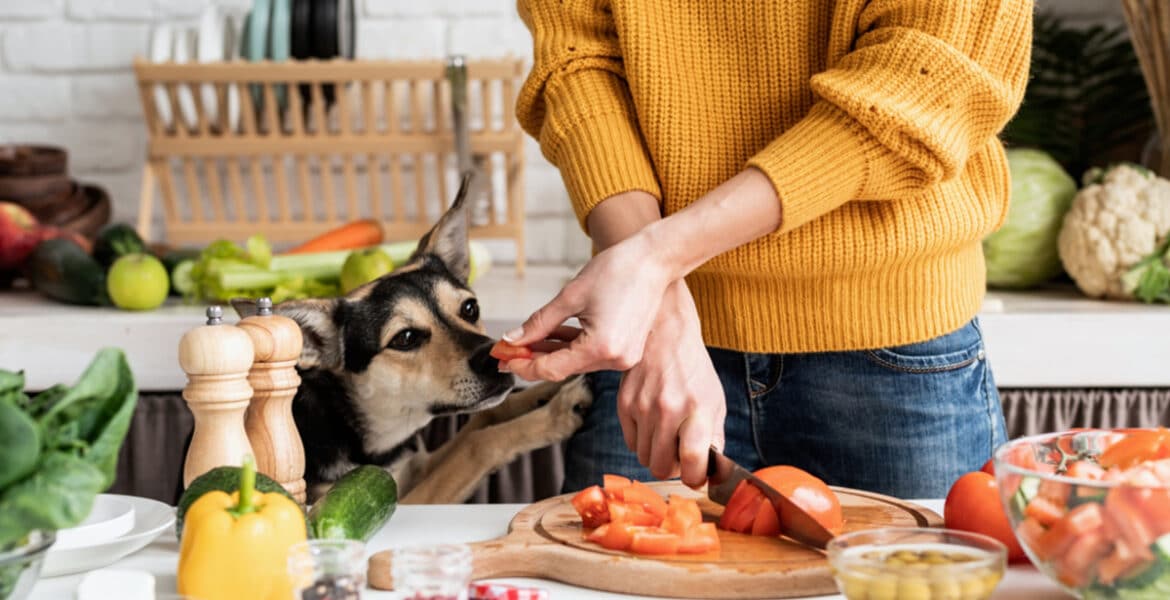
<point x="948" y="352"/>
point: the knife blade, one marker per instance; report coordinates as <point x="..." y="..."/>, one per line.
<point x="724" y="474"/>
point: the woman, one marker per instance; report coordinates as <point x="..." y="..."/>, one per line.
<point x="787" y="200"/>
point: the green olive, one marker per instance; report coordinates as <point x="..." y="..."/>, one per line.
<point x="884" y="587"/>
<point x="913" y="588"/>
<point x="973" y="589"/>
<point x="946" y="589"/>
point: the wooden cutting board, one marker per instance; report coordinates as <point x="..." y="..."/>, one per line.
<point x="545" y="541"/>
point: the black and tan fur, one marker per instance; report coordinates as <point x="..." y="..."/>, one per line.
<point x="383" y="361"/>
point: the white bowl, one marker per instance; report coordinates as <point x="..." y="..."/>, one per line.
<point x="151" y="519"/>
<point x="110" y="518"/>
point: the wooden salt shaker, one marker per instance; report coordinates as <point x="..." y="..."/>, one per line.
<point x="273" y="433"/>
<point x="216" y="358"/>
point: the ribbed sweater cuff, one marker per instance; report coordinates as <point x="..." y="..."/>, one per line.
<point x="817" y="165"/>
<point x="593" y="140"/>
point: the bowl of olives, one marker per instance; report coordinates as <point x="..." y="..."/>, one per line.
<point x="910" y="563"/>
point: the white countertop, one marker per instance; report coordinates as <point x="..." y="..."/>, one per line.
<point x="413" y="525"/>
<point x="1049" y="338"/>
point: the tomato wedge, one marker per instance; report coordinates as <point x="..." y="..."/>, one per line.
<point x="702" y="538"/>
<point x="654" y="543"/>
<point x="504" y="351"/>
<point x="591" y="505"/>
<point x="1137" y="447"/>
<point x="767" y="522"/>
<point x="613" y="536"/>
<point x="736" y="505"/>
<point x="614" y="485"/>
<point x="808" y="492"/>
<point x="640" y="494"/>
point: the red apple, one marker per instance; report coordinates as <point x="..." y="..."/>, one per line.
<point x="19" y="234"/>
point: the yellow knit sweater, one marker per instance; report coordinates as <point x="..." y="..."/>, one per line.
<point x="875" y="120"/>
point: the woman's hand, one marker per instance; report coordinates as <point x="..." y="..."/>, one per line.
<point x="671" y="404"/>
<point x="615" y="298"/>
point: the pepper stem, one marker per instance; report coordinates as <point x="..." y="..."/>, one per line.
<point x="246" y="502"/>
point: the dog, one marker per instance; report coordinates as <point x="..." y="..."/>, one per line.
<point x="383" y="361"/>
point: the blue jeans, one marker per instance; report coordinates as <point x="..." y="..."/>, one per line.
<point x="905" y="421"/>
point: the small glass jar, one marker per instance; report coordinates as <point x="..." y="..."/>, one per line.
<point x="327" y="570"/>
<point x="432" y="572"/>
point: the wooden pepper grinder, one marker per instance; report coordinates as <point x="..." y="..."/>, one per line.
<point x="271" y="429"/>
<point x="216" y="358"/>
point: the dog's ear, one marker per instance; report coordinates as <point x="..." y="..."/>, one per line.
<point x="323" y="346"/>
<point x="447" y="240"/>
<point x="245" y="307"/>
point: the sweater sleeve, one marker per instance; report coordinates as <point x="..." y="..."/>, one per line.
<point x="926" y="84"/>
<point x="577" y="104"/>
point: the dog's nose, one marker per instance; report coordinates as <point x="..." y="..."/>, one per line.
<point x="481" y="360"/>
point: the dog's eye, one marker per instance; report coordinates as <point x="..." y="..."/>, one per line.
<point x="407" y="339"/>
<point x="470" y="310"/>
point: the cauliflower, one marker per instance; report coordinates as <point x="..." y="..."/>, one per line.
<point x="1112" y="241"/>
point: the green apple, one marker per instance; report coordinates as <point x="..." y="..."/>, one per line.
<point x="137" y="282"/>
<point x="364" y="266"/>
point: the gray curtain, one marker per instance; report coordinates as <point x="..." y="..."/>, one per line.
<point x="151" y="462"/>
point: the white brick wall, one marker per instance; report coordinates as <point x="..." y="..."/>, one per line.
<point x="65" y="79"/>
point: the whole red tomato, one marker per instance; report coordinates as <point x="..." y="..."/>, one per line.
<point x="973" y="505"/>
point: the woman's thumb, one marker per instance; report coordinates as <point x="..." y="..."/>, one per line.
<point x="542" y="323"/>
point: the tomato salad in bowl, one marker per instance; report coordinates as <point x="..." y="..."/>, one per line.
<point x="1092" y="508"/>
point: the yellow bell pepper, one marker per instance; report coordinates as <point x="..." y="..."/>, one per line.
<point x="235" y="547"/>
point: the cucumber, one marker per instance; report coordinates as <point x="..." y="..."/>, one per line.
<point x="1029" y="487"/>
<point x="224" y="479"/>
<point x="182" y="282"/>
<point x="115" y="241"/>
<point x="356" y="507"/>
<point x="61" y="270"/>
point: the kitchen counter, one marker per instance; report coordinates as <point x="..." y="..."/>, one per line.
<point x="413" y="525"/>
<point x="1052" y="338"/>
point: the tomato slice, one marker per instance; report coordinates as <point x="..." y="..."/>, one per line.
<point x="736" y="505"/>
<point x="1084" y="469"/>
<point x="1029" y="531"/>
<point x="1123" y="561"/>
<point x="1153" y="505"/>
<point x="744" y="521"/>
<point x="702" y="538"/>
<point x="1044" y="510"/>
<point x="613" y="484"/>
<point x="1126" y="519"/>
<point x="654" y="543"/>
<point x="1075" y="567"/>
<point x="1136" y="448"/>
<point x="640" y="494"/>
<point x="1082" y="520"/>
<point x="590" y="503"/>
<point x="1056" y="491"/>
<point x="682" y="515"/>
<point x="504" y="351"/>
<point x="631" y="515"/>
<point x="767" y="523"/>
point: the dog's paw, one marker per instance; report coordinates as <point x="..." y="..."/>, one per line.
<point x="567" y="408"/>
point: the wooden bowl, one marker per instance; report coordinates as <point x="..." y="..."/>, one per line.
<point x="61" y="209"/>
<point x="32" y="160"/>
<point x="96" y="214"/>
<point x="18" y="188"/>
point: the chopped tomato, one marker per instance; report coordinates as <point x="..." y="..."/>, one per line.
<point x="767" y="523"/>
<point x="1136" y="448"/>
<point x="682" y="515"/>
<point x="1126" y="519"/>
<point x="1153" y="505"/>
<point x="1029" y="531"/>
<point x="614" y="484"/>
<point x="1044" y="510"/>
<point x="613" y="536"/>
<point x="1085" y="469"/>
<point x="1075" y="566"/>
<point x="973" y="505"/>
<point x="654" y="543"/>
<point x="702" y="538"/>
<point x="1056" y="491"/>
<point x="632" y="515"/>
<point x="640" y="494"/>
<point x="1078" y="522"/>
<point x="505" y="351"/>
<point x="591" y="505"/>
<point x="1122" y="562"/>
<point x="742" y="523"/>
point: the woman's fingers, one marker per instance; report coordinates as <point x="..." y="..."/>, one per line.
<point x="664" y="450"/>
<point x="695" y="437"/>
<point x="632" y="382"/>
<point x="547" y="320"/>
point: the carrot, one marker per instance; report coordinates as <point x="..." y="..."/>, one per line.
<point x="353" y="235"/>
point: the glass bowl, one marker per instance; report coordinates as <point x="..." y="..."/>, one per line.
<point x="20" y="567"/>
<point x="1098" y="533"/>
<point x="910" y="563"/>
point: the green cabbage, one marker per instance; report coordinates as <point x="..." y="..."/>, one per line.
<point x="1023" y="252"/>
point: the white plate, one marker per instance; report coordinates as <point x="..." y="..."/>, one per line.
<point x="184" y="53"/>
<point x="151" y="518"/>
<point x="162" y="42"/>
<point x="232" y="53"/>
<point x="111" y="517"/>
<point x="211" y="49"/>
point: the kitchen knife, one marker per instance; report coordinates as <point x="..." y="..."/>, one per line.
<point x="723" y="475"/>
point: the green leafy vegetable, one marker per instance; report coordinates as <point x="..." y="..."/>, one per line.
<point x="59" y="449"/>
